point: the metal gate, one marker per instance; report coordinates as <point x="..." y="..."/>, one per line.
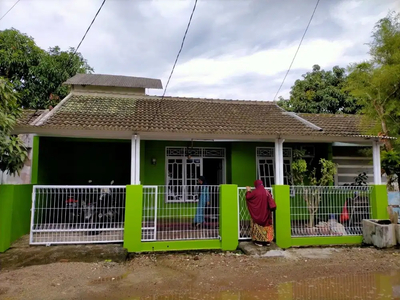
<point x="149" y="215"/>
<point x="77" y="214"/>
<point x="243" y="215"/>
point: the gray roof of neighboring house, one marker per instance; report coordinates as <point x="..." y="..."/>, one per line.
<point x="28" y="116"/>
<point x="114" y="81"/>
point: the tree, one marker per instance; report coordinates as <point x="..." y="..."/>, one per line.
<point x="376" y="85"/>
<point x="45" y="85"/>
<point x="311" y="194"/>
<point x="321" y="92"/>
<point x="12" y="151"/>
<point x="37" y="75"/>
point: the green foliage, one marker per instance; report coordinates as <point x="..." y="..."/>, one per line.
<point x="35" y="73"/>
<point x="385" y="46"/>
<point x="12" y="151"/>
<point x="328" y="171"/>
<point x="18" y="53"/>
<point x="12" y="155"/>
<point x="300" y="170"/>
<point x="321" y="91"/>
<point x="390" y="162"/>
<point x="376" y="85"/>
<point x="299" y="167"/>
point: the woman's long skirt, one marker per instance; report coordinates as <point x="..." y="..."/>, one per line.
<point x="261" y="234"/>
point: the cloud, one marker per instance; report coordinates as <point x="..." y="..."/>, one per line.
<point x="234" y="49"/>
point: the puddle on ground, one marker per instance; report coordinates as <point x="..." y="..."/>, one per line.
<point x="363" y="286"/>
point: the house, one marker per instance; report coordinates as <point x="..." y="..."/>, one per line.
<point x="108" y="128"/>
<point x="232" y="141"/>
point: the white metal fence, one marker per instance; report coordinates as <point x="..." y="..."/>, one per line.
<point x="77" y="214"/>
<point x="244" y="216"/>
<point x="192" y="218"/>
<point x="321" y="211"/>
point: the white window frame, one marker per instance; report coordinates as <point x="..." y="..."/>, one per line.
<point x="287" y="156"/>
<point x="182" y="153"/>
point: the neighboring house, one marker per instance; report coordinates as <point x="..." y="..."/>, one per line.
<point x="88" y="136"/>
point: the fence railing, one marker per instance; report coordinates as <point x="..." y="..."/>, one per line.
<point x="244" y="216"/>
<point x="329" y="211"/>
<point x="192" y="218"/>
<point x="77" y="214"/>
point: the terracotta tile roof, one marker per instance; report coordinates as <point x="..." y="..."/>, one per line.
<point x="192" y="115"/>
<point x="28" y="116"/>
<point x="340" y="124"/>
<point x="115" y="81"/>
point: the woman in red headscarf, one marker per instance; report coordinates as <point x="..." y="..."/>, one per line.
<point x="260" y="205"/>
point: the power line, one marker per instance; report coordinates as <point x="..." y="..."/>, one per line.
<point x="87" y="30"/>
<point x="83" y="38"/>
<point x="180" y="50"/>
<point x="9" y="10"/>
<point x="298" y="48"/>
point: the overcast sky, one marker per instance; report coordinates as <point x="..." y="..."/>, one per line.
<point x="236" y="49"/>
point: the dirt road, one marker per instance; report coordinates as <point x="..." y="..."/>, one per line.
<point x="192" y="276"/>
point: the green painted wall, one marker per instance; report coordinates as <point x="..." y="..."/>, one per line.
<point x="75" y="161"/>
<point x="379" y="202"/>
<point x="15" y="215"/>
<point x="244" y="165"/>
<point x="282" y="216"/>
<point x="6" y="204"/>
<point x="35" y="160"/>
<point x="228" y="218"/>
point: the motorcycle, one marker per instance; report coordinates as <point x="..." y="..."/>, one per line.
<point x="74" y="211"/>
<point x="101" y="212"/>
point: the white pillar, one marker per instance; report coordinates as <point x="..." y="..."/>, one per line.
<point x="279" y="162"/>
<point x="137" y="160"/>
<point x="376" y="155"/>
<point x="133" y="159"/>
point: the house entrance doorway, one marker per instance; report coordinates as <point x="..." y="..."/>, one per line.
<point x="213" y="170"/>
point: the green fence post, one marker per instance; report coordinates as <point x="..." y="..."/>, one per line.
<point x="228" y="217"/>
<point x="133" y="218"/>
<point x="282" y="216"/>
<point x="379" y="202"/>
<point x="35" y="160"/>
<point x="6" y="205"/>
